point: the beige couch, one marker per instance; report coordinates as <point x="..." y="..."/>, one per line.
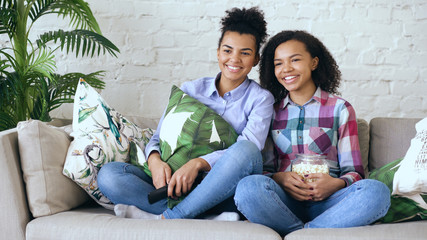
<point x="383" y="140"/>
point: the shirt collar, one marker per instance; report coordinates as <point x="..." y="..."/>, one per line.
<point x="319" y="96"/>
<point x="212" y="86"/>
<point x="233" y="94"/>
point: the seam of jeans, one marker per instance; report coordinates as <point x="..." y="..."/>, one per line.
<point x="380" y="214"/>
<point x="277" y="199"/>
<point x="125" y="167"/>
<point x="342" y="191"/>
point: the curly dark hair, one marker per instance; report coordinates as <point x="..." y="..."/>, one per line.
<point x="327" y="76"/>
<point x="245" y="21"/>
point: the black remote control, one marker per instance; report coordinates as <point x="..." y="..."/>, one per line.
<point x="158" y="194"/>
<point x="162" y="192"/>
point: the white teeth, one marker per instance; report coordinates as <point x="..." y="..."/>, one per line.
<point x="290" y="77"/>
<point x="233" y="68"/>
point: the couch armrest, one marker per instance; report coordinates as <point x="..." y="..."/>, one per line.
<point x="13" y="202"/>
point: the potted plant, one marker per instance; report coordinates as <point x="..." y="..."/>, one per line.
<point x="29" y="86"/>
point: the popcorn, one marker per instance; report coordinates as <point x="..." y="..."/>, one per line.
<point x="306" y="164"/>
<point x="303" y="169"/>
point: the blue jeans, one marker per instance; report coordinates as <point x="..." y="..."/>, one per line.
<point x="123" y="183"/>
<point x="263" y="201"/>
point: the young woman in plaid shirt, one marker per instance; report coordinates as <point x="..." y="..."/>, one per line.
<point x="309" y="119"/>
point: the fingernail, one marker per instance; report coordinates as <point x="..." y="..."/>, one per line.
<point x="311" y="188"/>
<point x="306" y="175"/>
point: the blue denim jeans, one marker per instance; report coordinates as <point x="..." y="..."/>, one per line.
<point x="263" y="201"/>
<point x="123" y="183"/>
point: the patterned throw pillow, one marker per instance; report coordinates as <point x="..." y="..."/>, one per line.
<point x="189" y="130"/>
<point x="101" y="135"/>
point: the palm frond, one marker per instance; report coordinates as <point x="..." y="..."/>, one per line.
<point x="11" y="61"/>
<point x="80" y="41"/>
<point x="81" y="17"/>
<point x="40" y="106"/>
<point x="41" y="61"/>
<point x="64" y="88"/>
<point x="7" y="17"/>
<point x="6" y="84"/>
<point x="4" y="64"/>
<point x="7" y="91"/>
<point x="7" y="121"/>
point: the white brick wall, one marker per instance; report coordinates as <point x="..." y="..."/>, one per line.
<point x="380" y="45"/>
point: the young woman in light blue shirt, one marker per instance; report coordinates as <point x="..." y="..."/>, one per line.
<point x="246" y="106"/>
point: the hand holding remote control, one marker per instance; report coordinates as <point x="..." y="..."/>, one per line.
<point x="158" y="194"/>
<point x="161" y="193"/>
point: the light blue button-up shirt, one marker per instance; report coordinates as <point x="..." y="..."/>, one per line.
<point x="247" y="108"/>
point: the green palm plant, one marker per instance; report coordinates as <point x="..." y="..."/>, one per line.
<point x="29" y="86"/>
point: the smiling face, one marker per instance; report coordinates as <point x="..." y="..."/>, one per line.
<point x="236" y="57"/>
<point x="293" y="65"/>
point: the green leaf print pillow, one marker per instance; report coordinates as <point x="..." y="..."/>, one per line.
<point x="402" y="208"/>
<point x="101" y="135"/>
<point x="189" y="130"/>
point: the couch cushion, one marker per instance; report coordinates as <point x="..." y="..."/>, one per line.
<point x="391" y="231"/>
<point x="363" y="133"/>
<point x="43" y="149"/>
<point x="99" y="224"/>
<point x="189" y="130"/>
<point x="101" y="135"/>
<point x="390" y="139"/>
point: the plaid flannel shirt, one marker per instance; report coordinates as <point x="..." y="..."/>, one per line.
<point x="325" y="125"/>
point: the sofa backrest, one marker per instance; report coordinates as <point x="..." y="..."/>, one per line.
<point x="382" y="141"/>
<point x="390" y="138"/>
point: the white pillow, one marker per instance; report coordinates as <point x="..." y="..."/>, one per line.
<point x="411" y="178"/>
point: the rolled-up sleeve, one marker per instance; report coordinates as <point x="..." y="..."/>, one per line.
<point x="153" y="144"/>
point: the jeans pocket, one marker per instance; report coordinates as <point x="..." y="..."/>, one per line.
<point x="321" y="139"/>
<point x="282" y="139"/>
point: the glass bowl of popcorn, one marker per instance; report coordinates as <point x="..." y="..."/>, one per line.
<point x="305" y="164"/>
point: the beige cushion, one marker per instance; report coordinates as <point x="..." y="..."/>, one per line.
<point x="42" y="150"/>
<point x="363" y="133"/>
<point x="94" y="224"/>
<point x="392" y="231"/>
<point x="390" y="139"/>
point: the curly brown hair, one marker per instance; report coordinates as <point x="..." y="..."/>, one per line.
<point x="245" y="21"/>
<point x="327" y="76"/>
